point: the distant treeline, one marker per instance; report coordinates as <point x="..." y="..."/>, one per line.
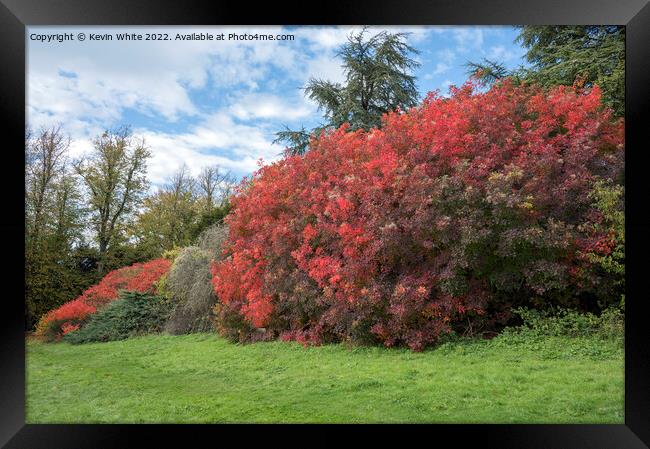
<point x="87" y="216"/>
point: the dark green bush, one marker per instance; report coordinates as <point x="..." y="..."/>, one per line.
<point x="134" y="313"/>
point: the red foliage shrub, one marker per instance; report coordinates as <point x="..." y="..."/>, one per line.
<point x="141" y="277"/>
<point x="448" y="216"/>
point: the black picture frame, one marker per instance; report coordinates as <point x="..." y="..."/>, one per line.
<point x="15" y="15"/>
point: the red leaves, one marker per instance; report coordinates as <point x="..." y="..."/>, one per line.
<point x="397" y="235"/>
<point x="140" y="277"/>
<point x="147" y="274"/>
<point x="69" y="315"/>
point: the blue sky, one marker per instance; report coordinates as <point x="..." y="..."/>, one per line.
<point x="218" y="102"/>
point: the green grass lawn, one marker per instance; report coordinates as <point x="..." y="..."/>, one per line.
<point x="204" y="379"/>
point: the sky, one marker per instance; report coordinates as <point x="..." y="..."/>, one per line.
<point x="217" y="102"/>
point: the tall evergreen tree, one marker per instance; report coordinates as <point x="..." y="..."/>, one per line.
<point x="563" y="55"/>
<point x="378" y="71"/>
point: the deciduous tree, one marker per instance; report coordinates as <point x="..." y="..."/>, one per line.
<point x="54" y="219"/>
<point x="115" y="176"/>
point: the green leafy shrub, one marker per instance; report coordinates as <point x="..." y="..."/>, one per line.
<point x="134" y="313"/>
<point x="609" y="251"/>
<point x="569" y="323"/>
<point x="188" y="285"/>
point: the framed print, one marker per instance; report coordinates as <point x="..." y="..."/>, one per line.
<point x="421" y="217"/>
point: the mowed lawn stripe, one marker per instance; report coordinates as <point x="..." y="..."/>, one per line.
<point x="202" y="378"/>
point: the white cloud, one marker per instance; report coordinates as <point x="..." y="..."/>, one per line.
<point x="500" y="53"/>
<point x="324" y="67"/>
<point x="88" y="87"/>
<point x="468" y="38"/>
<point x="326" y="38"/>
<point x="147" y="80"/>
<point x="331" y="38"/>
<point x="151" y="77"/>
<point x="447" y="55"/>
<point x="216" y="140"/>
<point x="441" y="68"/>
<point x="445" y="60"/>
<point x="268" y="106"/>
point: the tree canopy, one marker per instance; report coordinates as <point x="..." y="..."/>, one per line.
<point x="564" y="55"/>
<point x="378" y="79"/>
<point x="115" y="176"/>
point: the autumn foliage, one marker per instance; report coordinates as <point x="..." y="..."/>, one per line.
<point x="444" y="219"/>
<point x="140" y="277"/>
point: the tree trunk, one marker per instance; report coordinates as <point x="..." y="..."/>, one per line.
<point x="101" y="264"/>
